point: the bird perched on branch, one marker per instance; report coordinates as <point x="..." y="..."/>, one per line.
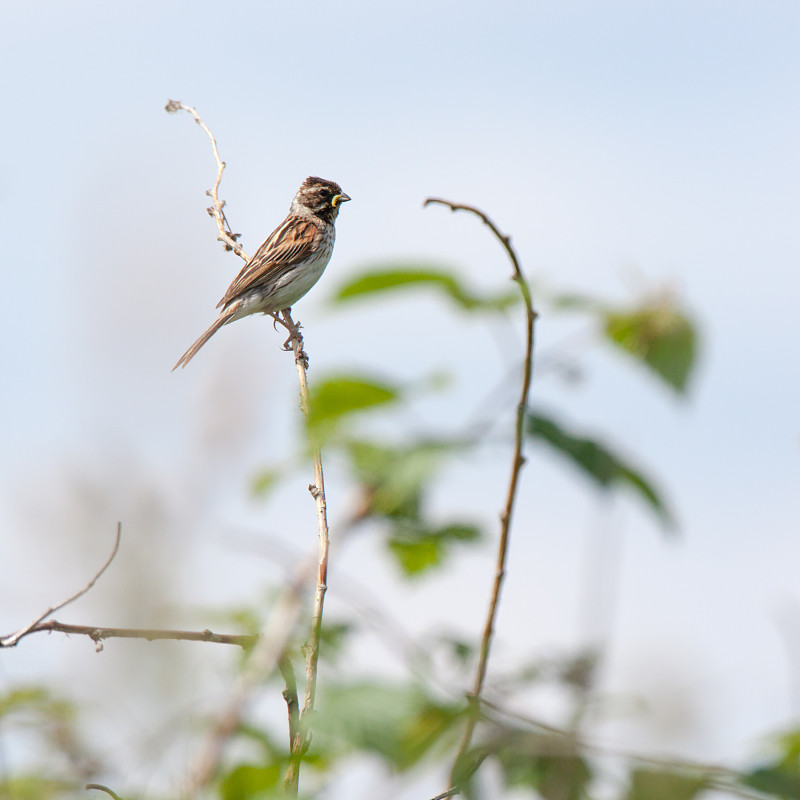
<point x="287" y="265"/>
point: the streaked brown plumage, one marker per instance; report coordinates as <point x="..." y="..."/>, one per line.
<point x="289" y="262"/>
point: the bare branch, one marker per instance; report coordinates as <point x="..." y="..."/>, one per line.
<point x="226" y="235"/>
<point x="516" y="466"/>
<point x="98" y="634"/>
<point x="10" y="641"/>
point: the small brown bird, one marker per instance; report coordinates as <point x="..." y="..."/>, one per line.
<point x="287" y="265"/>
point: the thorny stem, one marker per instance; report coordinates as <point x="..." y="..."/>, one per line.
<point x="505" y="518"/>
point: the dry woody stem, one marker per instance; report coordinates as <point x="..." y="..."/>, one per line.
<point x="505" y="518"/>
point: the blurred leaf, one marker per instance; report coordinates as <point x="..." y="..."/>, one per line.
<point x="575" y="302"/>
<point x="393" y="484"/>
<point x="414" y="557"/>
<point x="782" y="777"/>
<point x="400" y="724"/>
<point x="266" y="480"/>
<point x="394" y="478"/>
<point x="660" y="336"/>
<point x="339" y="396"/>
<point x="385" y="279"/>
<point x="651" y="784"/>
<point x="548" y="764"/>
<point x="597" y="462"/>
<point x="244" y="618"/>
<point x="462" y="652"/>
<point x="417" y="550"/>
<point x="334" y="636"/>
<point x="263" y="739"/>
<point x="35" y="699"/>
<point x="34" y="787"/>
<point x="250" y="781"/>
<point x="775" y="780"/>
<point x="789" y="746"/>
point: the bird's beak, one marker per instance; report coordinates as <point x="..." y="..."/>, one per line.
<point x="340" y="198"/>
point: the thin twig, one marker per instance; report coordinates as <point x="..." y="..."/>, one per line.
<point x="516" y="466"/>
<point x="98" y="634"/>
<point x="226" y="235"/>
<point x="10" y="641"/>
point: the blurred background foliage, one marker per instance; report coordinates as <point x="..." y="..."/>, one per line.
<point x="412" y="725"/>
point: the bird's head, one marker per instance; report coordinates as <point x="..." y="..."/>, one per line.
<point x="320" y="198"/>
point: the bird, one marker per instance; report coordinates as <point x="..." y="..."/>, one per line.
<point x="289" y="262"/>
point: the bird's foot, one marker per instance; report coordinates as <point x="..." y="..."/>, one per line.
<point x="295" y="339"/>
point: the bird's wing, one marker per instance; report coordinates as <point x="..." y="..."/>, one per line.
<point x="292" y="242"/>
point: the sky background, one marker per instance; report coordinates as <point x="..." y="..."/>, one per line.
<point x="626" y="147"/>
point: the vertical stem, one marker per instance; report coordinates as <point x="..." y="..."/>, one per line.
<point x="300" y="743"/>
<point x="270" y="649"/>
<point x="459" y="771"/>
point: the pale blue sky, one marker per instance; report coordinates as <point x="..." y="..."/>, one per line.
<point x="619" y="143"/>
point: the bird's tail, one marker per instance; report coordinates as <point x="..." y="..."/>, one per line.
<point x="192" y="351"/>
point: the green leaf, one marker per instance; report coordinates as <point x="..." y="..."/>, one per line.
<point x="386" y="279"/>
<point x="393" y="485"/>
<point x="334" y="637"/>
<point x="418" y="549"/>
<point x="460" y="650"/>
<point x="660" y="336"/>
<point x="394" y="478"/>
<point x="415" y="557"/>
<point x="400" y="724"/>
<point x="35" y="787"/>
<point x="775" y="780"/>
<point x="782" y="776"/>
<point x="36" y="699"/>
<point x="340" y="396"/>
<point x="596" y="462"/>
<point x="651" y="784"/>
<point x="250" y="781"/>
<point x="548" y="764"/>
